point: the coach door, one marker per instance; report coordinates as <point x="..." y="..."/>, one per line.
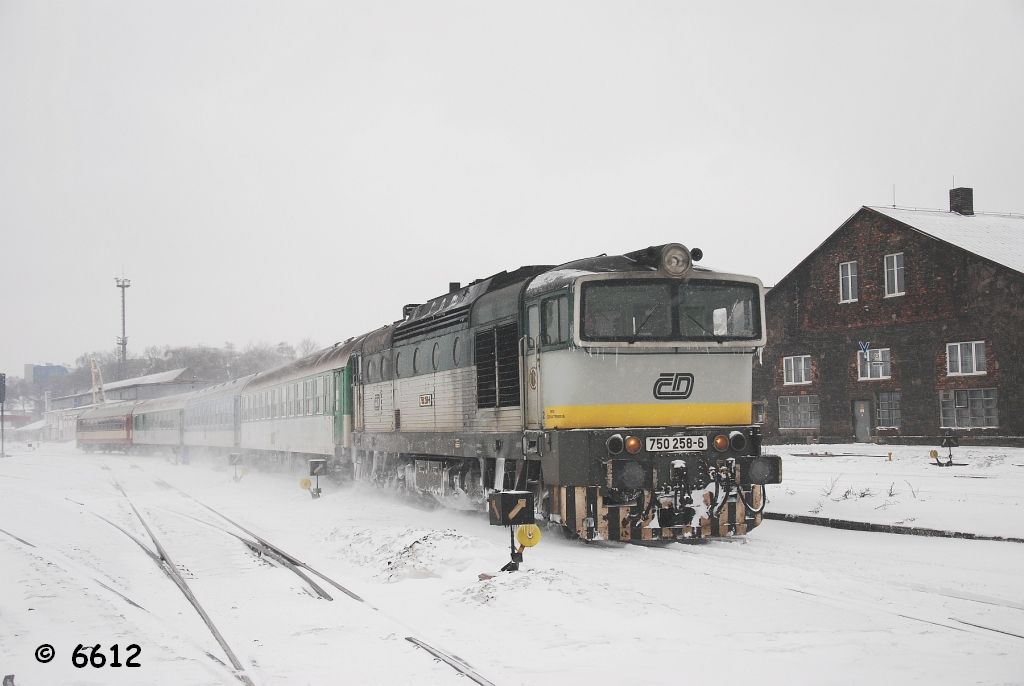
<point x="357" y="392"/>
<point x="530" y="351"/>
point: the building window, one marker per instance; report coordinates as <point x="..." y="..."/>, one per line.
<point x="848" y="282"/>
<point x="797" y="369"/>
<point x="758" y="412"/>
<point x="799" y="412"/>
<point x="888" y="410"/>
<point x="874" y="365"/>
<point x="976" y="407"/>
<point x="894" y="283"/>
<point x="965" y="358"/>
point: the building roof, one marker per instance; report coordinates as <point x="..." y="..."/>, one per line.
<point x="169" y="376"/>
<point x="996" y="237"/>
<point x="34" y="426"/>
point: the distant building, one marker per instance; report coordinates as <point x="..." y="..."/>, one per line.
<point x="140" y="388"/>
<point x="902" y="326"/>
<point x="43" y="374"/>
<point x="15" y="420"/>
<point x="60" y="424"/>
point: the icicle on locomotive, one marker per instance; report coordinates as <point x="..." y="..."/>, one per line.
<point x="617" y="389"/>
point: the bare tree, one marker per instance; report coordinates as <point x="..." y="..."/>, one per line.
<point x="307" y="346"/>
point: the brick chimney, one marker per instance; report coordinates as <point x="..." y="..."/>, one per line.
<point x="961" y="201"/>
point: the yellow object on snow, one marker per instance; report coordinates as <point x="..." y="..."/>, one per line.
<point x="528" y="535"/>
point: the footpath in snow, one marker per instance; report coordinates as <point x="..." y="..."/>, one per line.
<point x="859" y="482"/>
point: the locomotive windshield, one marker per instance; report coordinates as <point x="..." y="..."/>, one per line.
<point x="631" y="310"/>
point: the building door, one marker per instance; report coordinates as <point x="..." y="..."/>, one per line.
<point x="862" y="420"/>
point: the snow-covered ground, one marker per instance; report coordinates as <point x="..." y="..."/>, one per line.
<point x="859" y="482"/>
<point x="789" y="604"/>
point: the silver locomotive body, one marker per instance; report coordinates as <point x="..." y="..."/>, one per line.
<point x="616" y="389"/>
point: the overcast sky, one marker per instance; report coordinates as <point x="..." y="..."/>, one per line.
<point x="273" y="171"/>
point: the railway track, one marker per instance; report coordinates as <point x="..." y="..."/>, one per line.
<point x="270" y="551"/>
<point x="49" y="560"/>
<point x="834" y="523"/>
<point x="167" y="565"/>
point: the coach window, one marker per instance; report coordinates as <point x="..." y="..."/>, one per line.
<point x="555" y="313"/>
<point x="456" y="352"/>
<point x="415" y="359"/>
<point x="435" y="356"/>
<point x="385" y="368"/>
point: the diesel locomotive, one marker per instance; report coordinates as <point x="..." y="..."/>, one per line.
<point x="615" y="389"/>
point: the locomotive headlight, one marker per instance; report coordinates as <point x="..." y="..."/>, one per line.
<point x="633" y="445"/>
<point x="738" y="441"/>
<point x="721" y="443"/>
<point x="614" y="444"/>
<point x="675" y="259"/>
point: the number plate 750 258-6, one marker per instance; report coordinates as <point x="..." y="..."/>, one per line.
<point x="677" y="444"/>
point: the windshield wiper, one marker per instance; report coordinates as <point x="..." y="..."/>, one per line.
<point x="701" y="327"/>
<point x="636" y="332"/>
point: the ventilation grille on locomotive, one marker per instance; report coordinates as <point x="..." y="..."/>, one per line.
<point x="497" y="366"/>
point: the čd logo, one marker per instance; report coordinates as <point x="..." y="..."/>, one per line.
<point x="673" y="386"/>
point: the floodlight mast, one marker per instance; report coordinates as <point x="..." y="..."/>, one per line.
<point x="122" y="341"/>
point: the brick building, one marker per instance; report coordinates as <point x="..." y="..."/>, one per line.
<point x="903" y="325"/>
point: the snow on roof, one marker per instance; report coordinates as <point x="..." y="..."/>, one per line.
<point x="34" y="426"/>
<point x="159" y="377"/>
<point x="997" y="237"/>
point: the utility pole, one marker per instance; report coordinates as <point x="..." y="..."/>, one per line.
<point x="123" y="284"/>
